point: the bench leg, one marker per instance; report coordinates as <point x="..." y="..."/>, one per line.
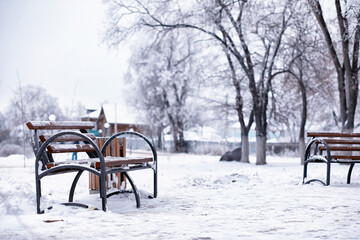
<point x="103" y="201"/>
<point x="73" y="186"/>
<point x="305" y="171"/>
<point x="136" y="193"/>
<point x="155" y="184"/>
<point x="328" y="172"/>
<point x="71" y="194"/>
<point x="38" y="195"/>
<point x="349" y="173"/>
<point x="103" y="191"/>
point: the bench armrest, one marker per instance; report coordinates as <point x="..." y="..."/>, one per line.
<point x="152" y="147"/>
<point x="53" y="138"/>
<point x="313" y="146"/>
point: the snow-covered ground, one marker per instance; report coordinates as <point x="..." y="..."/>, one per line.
<point x="199" y="198"/>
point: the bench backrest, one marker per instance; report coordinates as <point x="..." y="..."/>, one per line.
<point x="333" y="134"/>
<point x="59" y="125"/>
<point x="341" y="145"/>
<point x="336" y="138"/>
<point x="70" y="143"/>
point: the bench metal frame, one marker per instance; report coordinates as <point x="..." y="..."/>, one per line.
<point x="42" y="157"/>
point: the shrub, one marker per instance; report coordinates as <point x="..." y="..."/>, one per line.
<point x="7" y="149"/>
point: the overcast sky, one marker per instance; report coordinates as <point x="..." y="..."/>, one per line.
<point x="57" y="44"/>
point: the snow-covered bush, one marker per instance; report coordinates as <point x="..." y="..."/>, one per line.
<point x="8" y="149"/>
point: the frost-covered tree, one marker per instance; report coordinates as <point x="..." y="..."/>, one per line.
<point x="4" y="132"/>
<point x="29" y="103"/>
<point x="163" y="75"/>
<point x="343" y="45"/>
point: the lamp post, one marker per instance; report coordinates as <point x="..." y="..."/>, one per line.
<point x="106" y="126"/>
<point x="52" y="117"/>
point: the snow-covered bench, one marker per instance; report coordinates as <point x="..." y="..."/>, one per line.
<point x="332" y="147"/>
<point x="73" y="137"/>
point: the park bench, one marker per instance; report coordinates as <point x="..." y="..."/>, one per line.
<point x="103" y="157"/>
<point x="332" y="147"/>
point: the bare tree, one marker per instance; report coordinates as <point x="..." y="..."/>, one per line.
<point x="346" y="58"/>
<point x="259" y="65"/>
<point x="239" y="107"/>
<point x="306" y="66"/>
<point x="231" y="24"/>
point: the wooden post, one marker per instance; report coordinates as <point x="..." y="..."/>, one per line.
<point x="117" y="148"/>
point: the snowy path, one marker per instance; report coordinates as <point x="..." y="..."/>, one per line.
<point x="199" y="198"/>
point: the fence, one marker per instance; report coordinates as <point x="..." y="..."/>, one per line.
<point x="219" y="148"/>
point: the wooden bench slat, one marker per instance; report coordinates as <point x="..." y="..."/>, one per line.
<point x="120" y="161"/>
<point x="109" y="161"/>
<point x="59" y="125"/>
<point x="332" y="134"/>
<point x="67" y="138"/>
<point x="69" y="148"/>
<point x="349" y="157"/>
<point x="340" y="148"/>
<point x="340" y="141"/>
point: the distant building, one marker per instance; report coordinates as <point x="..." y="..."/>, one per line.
<point x="92" y="115"/>
<point x="113" y="118"/>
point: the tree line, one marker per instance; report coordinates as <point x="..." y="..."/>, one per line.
<point x="30" y="103"/>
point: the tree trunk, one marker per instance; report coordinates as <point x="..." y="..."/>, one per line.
<point x="244" y="148"/>
<point x="159" y="138"/>
<point x="260" y="107"/>
<point x="351" y="82"/>
<point x="261" y="130"/>
<point x="177" y="128"/>
<point x="260" y="150"/>
<point x="179" y="141"/>
<point x="303" y="118"/>
<point x="302" y="149"/>
<point x="347" y="76"/>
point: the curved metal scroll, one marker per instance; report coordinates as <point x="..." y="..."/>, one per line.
<point x="135" y="190"/>
<point x="349" y="173"/>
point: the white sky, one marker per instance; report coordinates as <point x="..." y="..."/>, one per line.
<point x="57" y="44"/>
